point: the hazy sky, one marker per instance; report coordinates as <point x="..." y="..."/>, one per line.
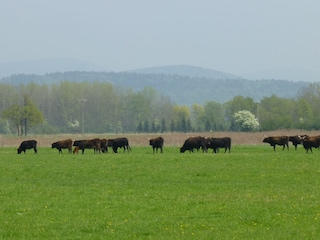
<point x="234" y="36"/>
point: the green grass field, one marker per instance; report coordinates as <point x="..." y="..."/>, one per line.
<point x="252" y="193"/>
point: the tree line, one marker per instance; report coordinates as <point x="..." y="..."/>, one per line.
<point x="99" y="107"/>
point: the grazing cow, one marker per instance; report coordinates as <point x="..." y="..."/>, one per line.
<point x="311" y="142"/>
<point x="279" y="140"/>
<point x="119" y="143"/>
<point x="216" y="143"/>
<point x="28" y="144"/>
<point x="156" y="143"/>
<point x="192" y="143"/>
<point x="63" y="144"/>
<point x="91" y="144"/>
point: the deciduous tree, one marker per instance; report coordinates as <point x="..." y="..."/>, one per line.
<point x="246" y="120"/>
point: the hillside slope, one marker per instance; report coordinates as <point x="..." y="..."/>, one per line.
<point x="182" y="90"/>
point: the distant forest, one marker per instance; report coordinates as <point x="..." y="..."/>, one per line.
<point x="98" y="106"/>
<point x="182" y="90"/>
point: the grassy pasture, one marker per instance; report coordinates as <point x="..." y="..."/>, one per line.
<point x="252" y="193"/>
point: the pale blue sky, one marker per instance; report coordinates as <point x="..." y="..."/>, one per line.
<point x="234" y="36"/>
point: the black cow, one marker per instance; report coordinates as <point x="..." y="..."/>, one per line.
<point x="63" y="144"/>
<point x="119" y="143"/>
<point x="28" y="144"/>
<point x="217" y="143"/>
<point x="156" y="143"/>
<point x="192" y="143"/>
<point x="278" y="140"/>
<point x="90" y="144"/>
<point x="311" y="142"/>
<point x="296" y="140"/>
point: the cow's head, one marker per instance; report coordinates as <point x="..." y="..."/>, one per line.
<point x="302" y="137"/>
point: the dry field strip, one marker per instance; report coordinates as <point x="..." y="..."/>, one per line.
<point x="170" y="139"/>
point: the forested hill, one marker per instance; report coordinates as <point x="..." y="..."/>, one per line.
<point x="187" y="70"/>
<point x="182" y="90"/>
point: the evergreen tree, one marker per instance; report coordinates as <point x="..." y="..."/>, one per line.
<point x="189" y="126"/>
<point x="207" y="126"/>
<point x="163" y="125"/>
<point x="146" y="127"/>
<point x="183" y="125"/>
<point x="140" y="127"/>
<point x="172" y="126"/>
<point x="153" y="127"/>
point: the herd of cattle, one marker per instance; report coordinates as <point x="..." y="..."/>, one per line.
<point x="98" y="145"/>
<point x="190" y="144"/>
<point x="102" y="145"/>
<point x="308" y="142"/>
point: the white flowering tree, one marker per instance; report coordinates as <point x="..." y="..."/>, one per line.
<point x="246" y="120"/>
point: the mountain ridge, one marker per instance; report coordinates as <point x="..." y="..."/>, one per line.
<point x="187" y="71"/>
<point x="52" y="65"/>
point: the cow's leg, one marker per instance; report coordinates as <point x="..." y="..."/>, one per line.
<point x="105" y="150"/>
<point x="306" y="148"/>
<point x="204" y="149"/>
<point x="75" y="150"/>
